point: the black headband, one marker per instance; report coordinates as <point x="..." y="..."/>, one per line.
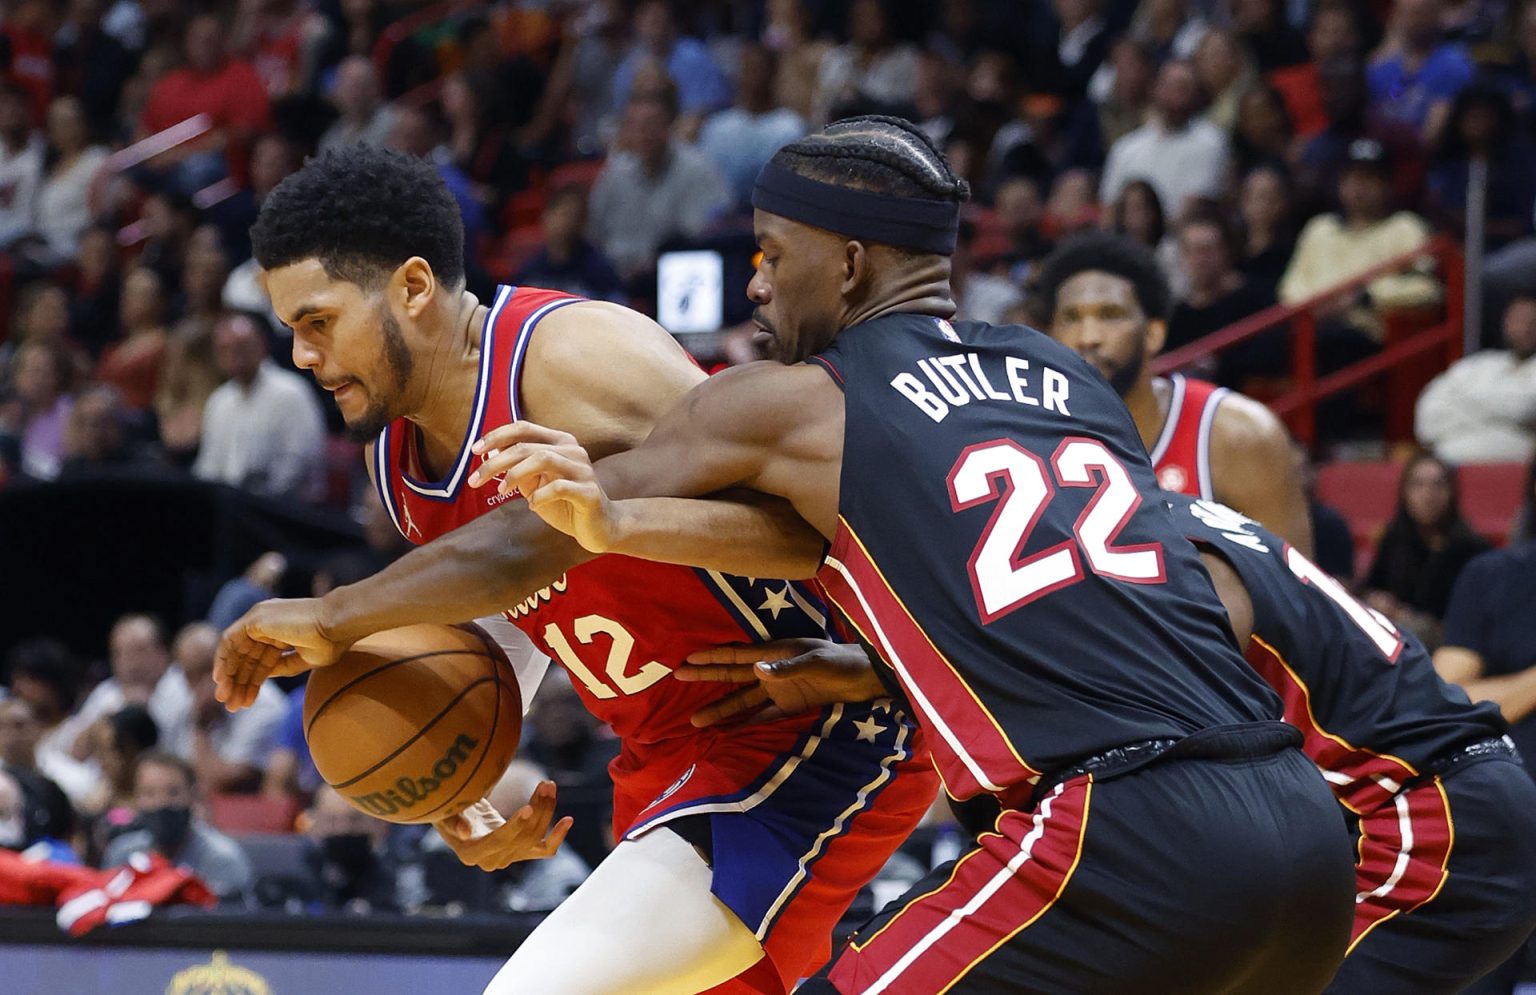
<point x="904" y="222"/>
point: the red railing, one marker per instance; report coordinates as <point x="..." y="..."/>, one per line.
<point x="1298" y="406"/>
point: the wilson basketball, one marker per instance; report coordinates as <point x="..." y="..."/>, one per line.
<point x="414" y="724"/>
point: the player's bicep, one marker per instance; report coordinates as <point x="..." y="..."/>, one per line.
<point x="1255" y="471"/>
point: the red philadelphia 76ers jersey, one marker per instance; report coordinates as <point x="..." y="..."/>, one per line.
<point x="1182" y="454"/>
<point x="618" y="624"/>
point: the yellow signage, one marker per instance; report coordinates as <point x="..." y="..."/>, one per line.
<point x="218" y="977"/>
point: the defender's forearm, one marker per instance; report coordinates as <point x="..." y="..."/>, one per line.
<point x="741" y="533"/>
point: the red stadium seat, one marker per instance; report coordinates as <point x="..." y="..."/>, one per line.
<point x="1491" y="496"/>
<point x="242" y="815"/>
<point x="1365" y="493"/>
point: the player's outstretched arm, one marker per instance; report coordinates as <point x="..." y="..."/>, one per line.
<point x="650" y="502"/>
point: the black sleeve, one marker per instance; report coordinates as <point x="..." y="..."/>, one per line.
<point x="1465" y="624"/>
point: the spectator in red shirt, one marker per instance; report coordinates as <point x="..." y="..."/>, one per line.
<point x="228" y="90"/>
<point x="1333" y="34"/>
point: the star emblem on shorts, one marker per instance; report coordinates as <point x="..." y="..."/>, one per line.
<point x="777" y="602"/>
<point x="868" y="729"/>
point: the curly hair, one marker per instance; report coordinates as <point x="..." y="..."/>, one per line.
<point x="362" y="211"/>
<point x="878" y="153"/>
<point x="1104" y="252"/>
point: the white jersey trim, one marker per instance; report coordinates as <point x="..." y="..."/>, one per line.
<point x="1175" y="408"/>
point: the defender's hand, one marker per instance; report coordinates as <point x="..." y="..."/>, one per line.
<point x="276" y="638"/>
<point x="788" y="676"/>
<point x="483" y="839"/>
<point x="554" y="474"/>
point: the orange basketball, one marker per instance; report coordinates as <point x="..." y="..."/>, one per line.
<point x="414" y="724"/>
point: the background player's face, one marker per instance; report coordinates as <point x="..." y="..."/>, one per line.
<point x="1098" y="317"/>
<point x="797" y="286"/>
<point x="348" y="338"/>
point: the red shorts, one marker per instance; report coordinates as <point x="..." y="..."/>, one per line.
<point x="803" y="813"/>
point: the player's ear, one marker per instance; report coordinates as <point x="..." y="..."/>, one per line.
<point x="414" y="285"/>
<point x="857" y="268"/>
<point x="1157" y="336"/>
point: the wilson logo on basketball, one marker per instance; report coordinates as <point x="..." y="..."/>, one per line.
<point x="408" y="791"/>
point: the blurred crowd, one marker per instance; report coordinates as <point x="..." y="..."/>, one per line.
<point x="1265" y="150"/>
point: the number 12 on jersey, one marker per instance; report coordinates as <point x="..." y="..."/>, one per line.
<point x="1000" y="579"/>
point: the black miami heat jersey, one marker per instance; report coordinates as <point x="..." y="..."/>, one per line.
<point x="1365" y="695"/>
<point x="1002" y="543"/>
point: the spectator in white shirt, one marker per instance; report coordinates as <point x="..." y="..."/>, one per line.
<point x="228" y="751"/>
<point x="653" y="190"/>
<point x="21" y="165"/>
<point x="1181" y="155"/>
<point x="873" y="66"/>
<point x="139" y="658"/>
<point x="358" y="95"/>
<point x="63" y="200"/>
<point x="263" y="430"/>
<point x="1483" y="409"/>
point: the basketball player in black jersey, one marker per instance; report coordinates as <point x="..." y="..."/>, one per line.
<point x="1443" y="808"/>
<point x="997" y="537"/>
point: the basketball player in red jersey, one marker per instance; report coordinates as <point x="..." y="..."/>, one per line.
<point x="751" y="842"/>
<point x="1103" y="296"/>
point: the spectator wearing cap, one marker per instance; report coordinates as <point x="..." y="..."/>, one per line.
<point x="701" y="87"/>
<point x="1419" y="73"/>
<point x="654" y="189"/>
<point x="1180" y="154"/>
<point x="1483" y="409"/>
<point x="263" y="430"/>
<point x="741" y="138"/>
<point x="1333" y="248"/>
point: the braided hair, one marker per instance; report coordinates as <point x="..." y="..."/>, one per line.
<point x="878" y="153"/>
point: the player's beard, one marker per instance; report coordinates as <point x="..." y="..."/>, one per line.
<point x="397" y="358"/>
<point x="1124" y="378"/>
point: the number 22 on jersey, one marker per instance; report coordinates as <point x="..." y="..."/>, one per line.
<point x="1000" y="579"/>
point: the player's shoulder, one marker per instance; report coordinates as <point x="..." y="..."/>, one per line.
<point x="594" y="354"/>
<point x="1240" y="422"/>
<point x="764" y="401"/>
